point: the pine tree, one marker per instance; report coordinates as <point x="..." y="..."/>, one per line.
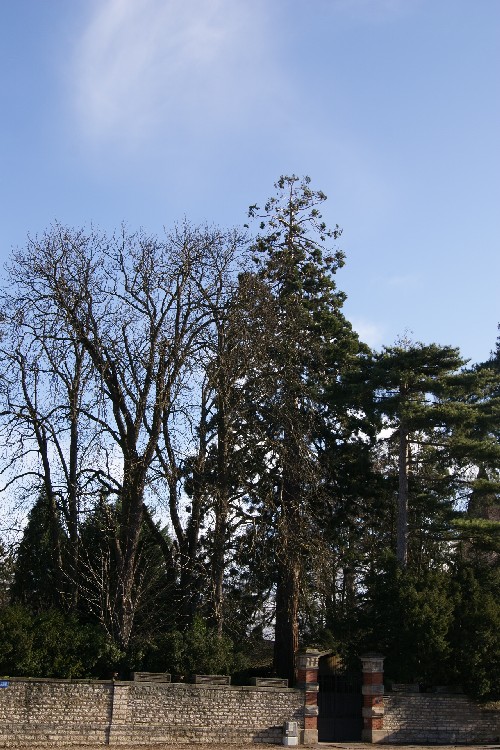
<point x="480" y="441"/>
<point x="417" y="389"/>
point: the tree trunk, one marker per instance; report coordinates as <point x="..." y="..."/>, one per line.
<point x="130" y="529"/>
<point x="221" y="499"/>
<point x="286" y="638"/>
<point x="402" y="511"/>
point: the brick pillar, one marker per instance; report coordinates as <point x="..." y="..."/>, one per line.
<point x="373" y="697"/>
<point x="307" y="680"/>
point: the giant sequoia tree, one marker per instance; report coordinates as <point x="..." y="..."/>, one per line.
<point x="305" y="343"/>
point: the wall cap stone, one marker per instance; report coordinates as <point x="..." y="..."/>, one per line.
<point x="372" y="662"/>
<point x="308" y="658"/>
<point x="156" y="685"/>
<point x="57" y="680"/>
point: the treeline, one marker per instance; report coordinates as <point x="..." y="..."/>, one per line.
<point x="212" y="456"/>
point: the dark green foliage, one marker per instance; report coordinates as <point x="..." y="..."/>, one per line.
<point x="52" y="644"/>
<point x="154" y="588"/>
<point x="37" y="580"/>
<point x="481" y="536"/>
<point x="475" y="633"/>
<point x="408" y="618"/>
<point x="199" y="650"/>
<point x="16" y="642"/>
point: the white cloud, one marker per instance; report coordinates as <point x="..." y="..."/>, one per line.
<point x="142" y="64"/>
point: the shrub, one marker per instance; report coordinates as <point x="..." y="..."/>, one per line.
<point x="52" y="644"/>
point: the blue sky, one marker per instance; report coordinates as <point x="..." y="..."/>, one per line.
<point x="146" y="111"/>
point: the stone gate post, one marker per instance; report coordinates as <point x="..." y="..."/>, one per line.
<point x="373" y="697"/>
<point x="307" y="680"/>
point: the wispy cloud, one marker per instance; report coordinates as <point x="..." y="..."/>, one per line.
<point x="142" y="64"/>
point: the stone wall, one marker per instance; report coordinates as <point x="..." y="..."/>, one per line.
<point x="48" y="711"/>
<point x="58" y="712"/>
<point x="438" y="719"/>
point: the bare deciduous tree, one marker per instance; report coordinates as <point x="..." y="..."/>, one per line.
<point x="133" y="313"/>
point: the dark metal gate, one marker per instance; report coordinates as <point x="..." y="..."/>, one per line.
<point x="340" y="704"/>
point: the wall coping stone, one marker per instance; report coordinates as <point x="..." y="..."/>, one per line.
<point x="62" y="680"/>
<point x="160" y="685"/>
<point x="489" y="705"/>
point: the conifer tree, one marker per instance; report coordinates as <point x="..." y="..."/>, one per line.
<point x="37" y="581"/>
<point x="305" y="343"/>
<point x="413" y="393"/>
<point x="480" y="441"/>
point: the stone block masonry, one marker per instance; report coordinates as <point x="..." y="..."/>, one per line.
<point x="47" y="712"/>
<point x="58" y="713"/>
<point x="422" y="718"/>
<point x="438" y="719"/>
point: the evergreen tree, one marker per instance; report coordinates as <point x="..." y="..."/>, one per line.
<point x="417" y="392"/>
<point x="474" y="636"/>
<point x="476" y="445"/>
<point x="304" y="341"/>
<point x="156" y="593"/>
<point x="37" y="575"/>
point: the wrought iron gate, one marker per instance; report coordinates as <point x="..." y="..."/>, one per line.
<point x="340" y="705"/>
